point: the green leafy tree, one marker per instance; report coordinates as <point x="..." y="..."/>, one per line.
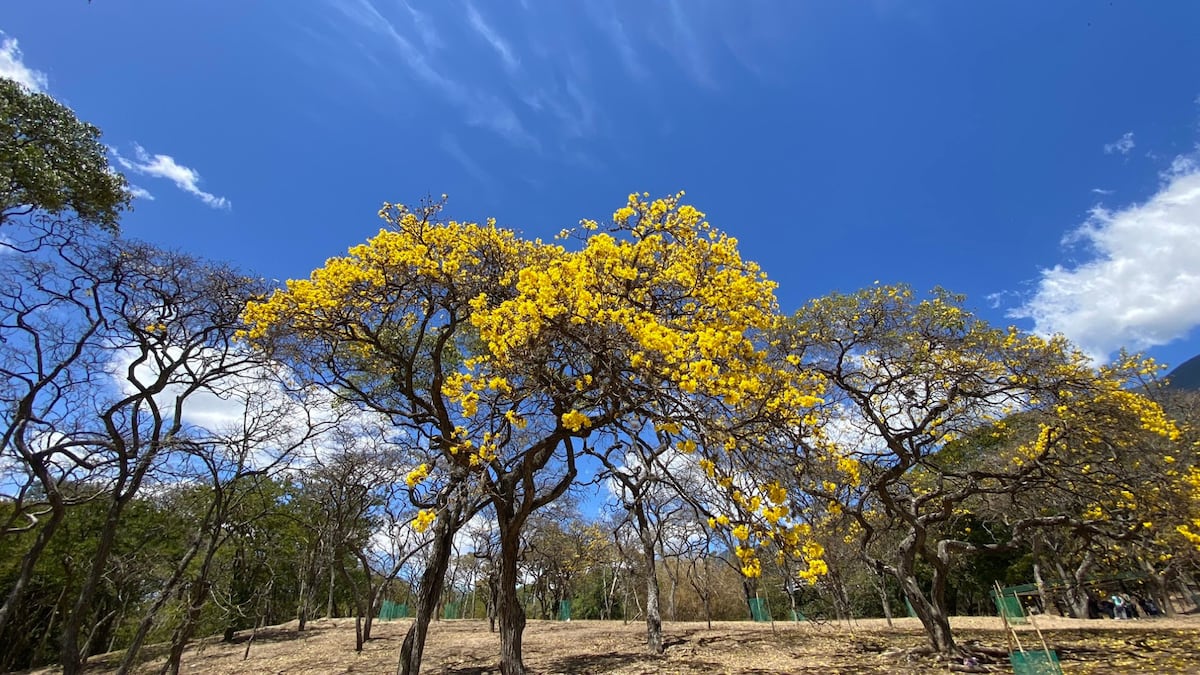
<point x="52" y="162"/>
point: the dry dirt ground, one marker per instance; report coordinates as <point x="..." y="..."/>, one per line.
<point x="467" y="648"/>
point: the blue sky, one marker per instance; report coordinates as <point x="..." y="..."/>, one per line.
<point x="1039" y="157"/>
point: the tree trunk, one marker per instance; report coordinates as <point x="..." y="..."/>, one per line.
<point x="214" y="533"/>
<point x="493" y="582"/>
<point x="329" y="608"/>
<point x="307" y="581"/>
<point x="356" y="597"/>
<point x="654" y="638"/>
<point x="28" y="561"/>
<point x="73" y="655"/>
<point x="1158" y="588"/>
<point x="1043" y="597"/>
<point x="883" y="598"/>
<point x="428" y="592"/>
<point x="511" y="613"/>
<point x="933" y="617"/>
<point x="750" y="591"/>
<point x="1076" y="593"/>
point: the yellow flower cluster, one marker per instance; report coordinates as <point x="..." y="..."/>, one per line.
<point x="424" y="519"/>
<point x="417" y="475"/>
<point x="575" y="420"/>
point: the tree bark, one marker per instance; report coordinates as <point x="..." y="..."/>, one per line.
<point x="1076" y="593"/>
<point x="930" y="610"/>
<point x="654" y="638"/>
<point x="73" y="655"/>
<point x="511" y="613"/>
<point x="1043" y="597"/>
<point x="428" y="592"/>
<point x="213" y="538"/>
<point x="883" y="598"/>
<point x="28" y="561"/>
<point x="933" y="618"/>
<point x="1158" y="588"/>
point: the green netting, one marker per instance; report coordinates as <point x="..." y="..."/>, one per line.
<point x="452" y="610"/>
<point x="1035" y="663"/>
<point x="392" y="610"/>
<point x="909" y="608"/>
<point x="758" y="609"/>
<point x="564" y="610"/>
<point x="795" y="615"/>
<point x="1009" y="606"/>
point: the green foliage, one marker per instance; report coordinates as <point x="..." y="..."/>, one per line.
<point x="51" y="161"/>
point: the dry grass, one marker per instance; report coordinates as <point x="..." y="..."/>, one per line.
<point x="466" y="647"/>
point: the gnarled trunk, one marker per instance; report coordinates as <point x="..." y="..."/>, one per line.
<point x="933" y="616"/>
<point x="428" y="592"/>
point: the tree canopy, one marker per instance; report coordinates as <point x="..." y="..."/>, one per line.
<point x="52" y="162"/>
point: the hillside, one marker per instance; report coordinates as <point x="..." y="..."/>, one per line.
<point x="1186" y="375"/>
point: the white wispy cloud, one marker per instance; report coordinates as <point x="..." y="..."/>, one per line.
<point x="1101" y="191"/>
<point x="493" y="38"/>
<point x="1122" y="145"/>
<point x="140" y="192"/>
<point x="485" y="110"/>
<point x="687" y="48"/>
<point x="1141" y="287"/>
<point x="12" y="65"/>
<point x="426" y="30"/>
<point x="165" y="166"/>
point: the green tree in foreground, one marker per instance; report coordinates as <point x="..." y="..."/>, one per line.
<point x="51" y="161"/>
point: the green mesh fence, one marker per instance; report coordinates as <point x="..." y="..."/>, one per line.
<point x="1035" y="663"/>
<point x="1009" y="606"/>
<point x="795" y="615"/>
<point x="392" y="610"/>
<point x="909" y="608"/>
<point x="452" y="610"/>
<point x="564" y="610"/>
<point x="758" y="609"/>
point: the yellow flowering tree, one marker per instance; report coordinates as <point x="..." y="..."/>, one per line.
<point x="1134" y="495"/>
<point x="911" y="377"/>
<point x="506" y="354"/>
<point x="387" y="327"/>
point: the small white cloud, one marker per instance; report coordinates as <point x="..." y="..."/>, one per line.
<point x="165" y="166"/>
<point x="1122" y="145"/>
<point x="140" y="193"/>
<point x="1102" y="191"/>
<point x="12" y="66"/>
<point x="1142" y="286"/>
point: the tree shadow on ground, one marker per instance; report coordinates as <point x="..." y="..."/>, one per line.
<point x="603" y="663"/>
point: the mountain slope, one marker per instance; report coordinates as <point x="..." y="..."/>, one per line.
<point x="1186" y="375"/>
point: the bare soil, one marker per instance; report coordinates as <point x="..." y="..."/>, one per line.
<point x="467" y="648"/>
